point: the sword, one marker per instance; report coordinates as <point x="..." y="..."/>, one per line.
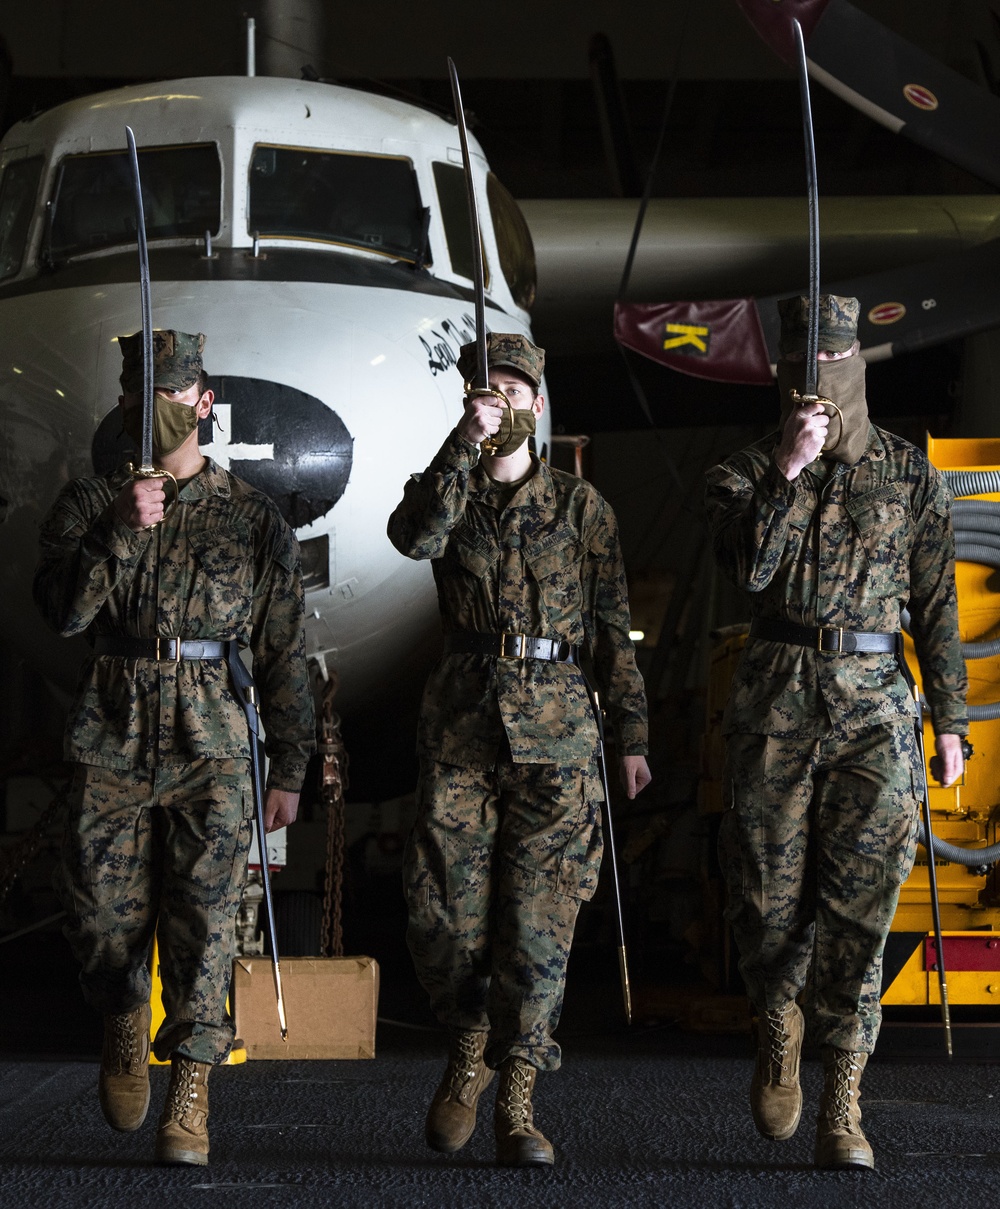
<point x="925" y="810"/>
<point x="480" y="382"/>
<point x="609" y="828"/>
<point x="146" y="469"/>
<point x="812" y="191"/>
<point x="246" y="694"/>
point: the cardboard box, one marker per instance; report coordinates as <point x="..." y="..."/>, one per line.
<point x="330" y="1005"/>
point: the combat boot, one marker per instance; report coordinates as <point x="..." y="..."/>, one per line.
<point x="775" y="1094"/>
<point x="519" y="1143"/>
<point x="452" y="1115"/>
<point x="123" y="1083"/>
<point x="182" y="1136"/>
<point x="839" y="1140"/>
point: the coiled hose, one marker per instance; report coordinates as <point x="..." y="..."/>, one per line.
<point x="977" y="540"/>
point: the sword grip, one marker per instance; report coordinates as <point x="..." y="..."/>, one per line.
<point x="155" y="472"/>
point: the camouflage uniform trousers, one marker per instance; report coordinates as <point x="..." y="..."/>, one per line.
<point x="494" y="871"/>
<point x="820" y="835"/>
<point x="165" y="851"/>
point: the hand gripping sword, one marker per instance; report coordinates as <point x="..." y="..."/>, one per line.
<point x="480" y="383"/>
<point x="609" y="830"/>
<point x="146" y="470"/>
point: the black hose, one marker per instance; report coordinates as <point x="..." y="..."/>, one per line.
<point x="972" y="858"/>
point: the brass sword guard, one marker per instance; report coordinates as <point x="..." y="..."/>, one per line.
<point x="804" y="400"/>
<point x="489" y="444"/>
<point x="156" y="472"/>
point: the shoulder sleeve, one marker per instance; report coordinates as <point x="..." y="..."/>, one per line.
<point x="434" y="502"/>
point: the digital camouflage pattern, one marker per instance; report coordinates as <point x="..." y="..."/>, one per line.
<point x="177" y="360"/>
<point x="838" y="324"/>
<point x="848" y="547"/>
<point x="548" y="565"/>
<point x="223" y="565"/>
<point x="495" y="870"/>
<point x="162" y="850"/>
<point x="820" y="923"/>
<point x="504" y="348"/>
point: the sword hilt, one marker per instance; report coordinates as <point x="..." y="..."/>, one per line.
<point x="156" y="472"/>
<point x="804" y="401"/>
<point x="489" y="444"/>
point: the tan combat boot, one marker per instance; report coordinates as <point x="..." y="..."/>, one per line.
<point x="452" y="1115"/>
<point x="519" y="1143"/>
<point x="123" y="1084"/>
<point x="182" y="1136"/>
<point x="839" y="1140"/>
<point x="775" y="1094"/>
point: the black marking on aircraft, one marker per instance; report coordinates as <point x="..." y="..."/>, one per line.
<point x="313" y="450"/>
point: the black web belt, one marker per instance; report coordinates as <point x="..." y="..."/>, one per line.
<point x="510" y="646"/>
<point x="825" y="638"/>
<point x="169" y="650"/>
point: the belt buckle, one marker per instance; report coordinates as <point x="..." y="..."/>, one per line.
<point x="522" y="641"/>
<point x="839" y="631"/>
<point x="164" y="658"/>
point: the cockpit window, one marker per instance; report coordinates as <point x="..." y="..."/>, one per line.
<point x="358" y="201"/>
<point x="454" y="201"/>
<point x="18" y="190"/>
<point x="517" y="252"/>
<point x="93" y="202"/>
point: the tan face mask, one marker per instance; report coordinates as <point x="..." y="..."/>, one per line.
<point x="519" y="422"/>
<point x="843" y="382"/>
<point x="173" y="423"/>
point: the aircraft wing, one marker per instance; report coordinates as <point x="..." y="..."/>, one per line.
<point x="889" y="79"/>
<point x="902" y="310"/>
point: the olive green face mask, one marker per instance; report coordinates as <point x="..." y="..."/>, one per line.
<point x="517" y="425"/>
<point x="843" y="383"/>
<point x="173" y="423"/>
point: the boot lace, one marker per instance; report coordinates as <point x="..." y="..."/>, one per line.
<point x="123" y="1039"/>
<point x="183" y="1092"/>
<point x="517" y="1098"/>
<point x="464" y="1061"/>
<point x="842" y="1090"/>
<point x="778" y="1038"/>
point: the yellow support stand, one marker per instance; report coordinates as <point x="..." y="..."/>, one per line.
<point x="237" y="1054"/>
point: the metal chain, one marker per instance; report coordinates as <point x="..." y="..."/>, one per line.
<point x="333" y="782"/>
<point x="19" y="856"/>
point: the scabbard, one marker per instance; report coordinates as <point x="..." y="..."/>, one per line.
<point x="245" y="692"/>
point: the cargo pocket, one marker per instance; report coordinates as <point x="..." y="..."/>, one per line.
<point x="883" y="521"/>
<point x="580" y="861"/>
<point x="556" y="570"/>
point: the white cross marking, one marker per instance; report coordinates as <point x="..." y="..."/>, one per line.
<point x="223" y="451"/>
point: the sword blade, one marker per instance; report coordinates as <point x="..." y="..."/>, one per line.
<point x="812" y="185"/>
<point x="481" y="379"/>
<point x="146" y="452"/>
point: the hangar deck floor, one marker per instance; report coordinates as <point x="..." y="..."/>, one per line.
<point x="647" y="1118"/>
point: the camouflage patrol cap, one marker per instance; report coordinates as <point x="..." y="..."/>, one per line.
<point x="838" y="324"/>
<point x="176" y="360"/>
<point x="505" y="348"/>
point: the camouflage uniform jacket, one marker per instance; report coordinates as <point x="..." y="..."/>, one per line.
<point x="548" y="565"/>
<point x="848" y="547"/>
<point x="222" y="565"/>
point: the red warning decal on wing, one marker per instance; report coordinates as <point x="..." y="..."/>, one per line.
<point x="920" y="96"/>
<point x="886" y="312"/>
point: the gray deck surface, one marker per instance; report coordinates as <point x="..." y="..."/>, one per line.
<point x="652" y="1118"/>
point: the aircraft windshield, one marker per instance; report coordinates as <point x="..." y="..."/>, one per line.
<point x="93" y="204"/>
<point x="361" y="201"/>
<point x="18" y="188"/>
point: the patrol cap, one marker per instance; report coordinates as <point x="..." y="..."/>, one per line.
<point x="176" y="360"/>
<point x="505" y="348"/>
<point x="838" y="324"/>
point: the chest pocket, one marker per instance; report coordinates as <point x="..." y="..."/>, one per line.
<point x="224" y="556"/>
<point x="884" y="523"/>
<point x="555" y="566"/>
<point x="471" y="551"/>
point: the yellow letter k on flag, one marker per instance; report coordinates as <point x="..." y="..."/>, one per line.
<point x="681" y="334"/>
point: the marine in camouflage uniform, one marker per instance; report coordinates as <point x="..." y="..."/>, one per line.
<point x="822" y="762"/>
<point x="162" y="803"/>
<point x="507" y="840"/>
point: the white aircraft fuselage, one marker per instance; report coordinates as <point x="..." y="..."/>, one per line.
<point x="334" y="289"/>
